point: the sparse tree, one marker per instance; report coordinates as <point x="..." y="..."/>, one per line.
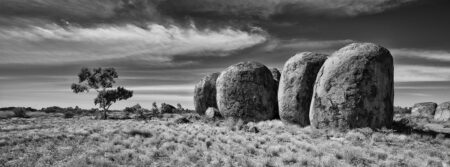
<point x="154" y="108"/>
<point x="101" y="80"/>
<point x="179" y="107"/>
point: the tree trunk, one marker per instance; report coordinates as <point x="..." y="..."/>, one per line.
<point x="104" y="114"/>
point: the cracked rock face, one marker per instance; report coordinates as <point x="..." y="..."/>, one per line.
<point x="276" y="76"/>
<point x="205" y="93"/>
<point x="426" y="109"/>
<point x="296" y="87"/>
<point x="247" y="90"/>
<point x="443" y="112"/>
<point x="354" y="88"/>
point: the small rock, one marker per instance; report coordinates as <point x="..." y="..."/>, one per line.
<point x="212" y="113"/>
<point x="182" y="120"/>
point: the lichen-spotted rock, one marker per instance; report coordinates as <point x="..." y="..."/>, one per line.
<point x="425" y="109"/>
<point x="205" y="93"/>
<point x="296" y="87"/>
<point x="354" y="88"/>
<point x="247" y="91"/>
<point x="443" y="112"/>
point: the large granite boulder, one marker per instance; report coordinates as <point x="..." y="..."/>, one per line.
<point x="296" y="87"/>
<point x="443" y="112"/>
<point x="354" y="88"/>
<point x="205" y="93"/>
<point x="247" y="91"/>
<point x="426" y="109"/>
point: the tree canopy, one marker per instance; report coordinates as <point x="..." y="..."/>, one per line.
<point x="101" y="80"/>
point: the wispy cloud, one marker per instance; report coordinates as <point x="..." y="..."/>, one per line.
<point x="54" y="44"/>
<point x="420" y="57"/>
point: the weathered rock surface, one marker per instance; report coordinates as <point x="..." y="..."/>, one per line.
<point x="212" y="113"/>
<point x="205" y="93"/>
<point x="426" y="109"/>
<point x="276" y="74"/>
<point x="443" y="112"/>
<point x="354" y="88"/>
<point x="296" y="87"/>
<point x="247" y="91"/>
<point x="276" y="77"/>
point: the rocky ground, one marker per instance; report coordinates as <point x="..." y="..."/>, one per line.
<point x="51" y="140"/>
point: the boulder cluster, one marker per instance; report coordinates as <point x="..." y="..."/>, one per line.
<point x="439" y="112"/>
<point x="351" y="88"/>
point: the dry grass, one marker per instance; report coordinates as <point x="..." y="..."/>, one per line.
<point x="82" y="141"/>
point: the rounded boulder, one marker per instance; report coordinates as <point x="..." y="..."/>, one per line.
<point x="205" y="93"/>
<point x="297" y="85"/>
<point x="443" y="112"/>
<point x="426" y="109"/>
<point x="354" y="89"/>
<point x="247" y="91"/>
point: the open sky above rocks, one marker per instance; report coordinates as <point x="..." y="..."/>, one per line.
<point x="161" y="48"/>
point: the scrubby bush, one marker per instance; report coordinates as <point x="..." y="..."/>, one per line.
<point x="20" y="112"/>
<point x="402" y="110"/>
<point x="69" y="114"/>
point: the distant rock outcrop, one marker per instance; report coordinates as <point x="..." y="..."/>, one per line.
<point x="443" y="112"/>
<point x="167" y="108"/>
<point x="247" y="90"/>
<point x="426" y="109"/>
<point x="205" y="93"/>
<point x="354" y="88"/>
<point x="296" y="87"/>
<point x="212" y="113"/>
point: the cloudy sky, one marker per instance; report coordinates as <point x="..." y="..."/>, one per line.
<point x="161" y="48"/>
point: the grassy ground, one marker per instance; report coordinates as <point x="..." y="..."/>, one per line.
<point x="82" y="141"/>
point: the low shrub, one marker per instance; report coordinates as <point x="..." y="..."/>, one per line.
<point x="20" y="112"/>
<point x="69" y="115"/>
